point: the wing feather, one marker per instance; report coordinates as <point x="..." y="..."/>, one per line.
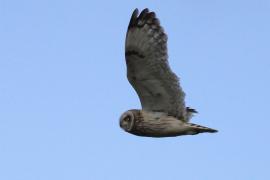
<point x="148" y="70"/>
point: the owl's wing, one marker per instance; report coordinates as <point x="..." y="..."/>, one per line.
<point x="148" y="70"/>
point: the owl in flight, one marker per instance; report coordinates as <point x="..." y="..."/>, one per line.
<point x="163" y="113"/>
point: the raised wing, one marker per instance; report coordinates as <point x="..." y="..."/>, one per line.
<point x="148" y="70"/>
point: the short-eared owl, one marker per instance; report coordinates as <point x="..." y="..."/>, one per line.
<point x="163" y="113"/>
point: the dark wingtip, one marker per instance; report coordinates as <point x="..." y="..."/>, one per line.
<point x="133" y="18"/>
<point x="145" y="9"/>
<point x="143" y="13"/>
<point x="136" y="16"/>
<point x="135" y="12"/>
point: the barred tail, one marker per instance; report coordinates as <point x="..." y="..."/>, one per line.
<point x="200" y="129"/>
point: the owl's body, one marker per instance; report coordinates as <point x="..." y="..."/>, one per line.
<point x="163" y="113"/>
<point x="158" y="124"/>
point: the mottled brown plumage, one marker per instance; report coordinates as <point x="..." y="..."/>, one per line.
<point x="163" y="111"/>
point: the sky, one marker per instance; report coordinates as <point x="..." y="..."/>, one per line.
<point x="63" y="87"/>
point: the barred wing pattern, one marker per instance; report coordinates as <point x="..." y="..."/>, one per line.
<point x="148" y="70"/>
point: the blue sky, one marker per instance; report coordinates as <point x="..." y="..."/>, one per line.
<point x="63" y="87"/>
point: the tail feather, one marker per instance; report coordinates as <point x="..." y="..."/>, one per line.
<point x="200" y="129"/>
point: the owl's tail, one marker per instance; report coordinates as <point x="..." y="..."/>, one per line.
<point x="196" y="129"/>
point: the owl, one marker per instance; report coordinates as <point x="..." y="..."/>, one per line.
<point x="164" y="113"/>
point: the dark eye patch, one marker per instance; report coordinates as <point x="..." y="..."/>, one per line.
<point x="127" y="118"/>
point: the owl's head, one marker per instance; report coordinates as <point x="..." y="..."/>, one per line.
<point x="127" y="120"/>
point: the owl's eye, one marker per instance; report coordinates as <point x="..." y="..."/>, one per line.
<point x="127" y="121"/>
<point x="127" y="118"/>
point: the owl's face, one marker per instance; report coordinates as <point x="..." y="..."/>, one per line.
<point x="127" y="121"/>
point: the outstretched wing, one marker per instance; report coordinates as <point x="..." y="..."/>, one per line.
<point x="148" y="70"/>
